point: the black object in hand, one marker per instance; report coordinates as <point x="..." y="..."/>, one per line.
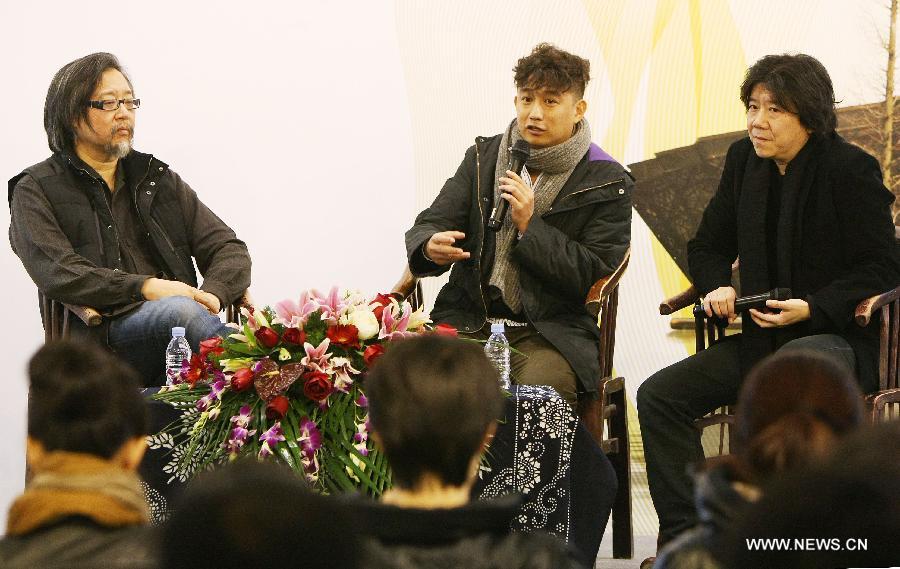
<point x="518" y="155"/>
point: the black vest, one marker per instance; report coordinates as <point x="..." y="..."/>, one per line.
<point x="77" y="197"/>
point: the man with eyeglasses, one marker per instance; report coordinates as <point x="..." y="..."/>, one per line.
<point x="103" y="225"/>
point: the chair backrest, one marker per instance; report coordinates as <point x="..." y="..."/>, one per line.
<point x="603" y="302"/>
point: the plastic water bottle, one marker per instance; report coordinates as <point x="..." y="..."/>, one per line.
<point x="177" y="351"/>
<point x="497" y="350"/>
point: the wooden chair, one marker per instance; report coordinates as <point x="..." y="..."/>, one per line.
<point x="606" y="416"/>
<point x="881" y="405"/>
<point x="57" y="315"/>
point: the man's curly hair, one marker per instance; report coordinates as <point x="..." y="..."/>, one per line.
<point x="548" y="67"/>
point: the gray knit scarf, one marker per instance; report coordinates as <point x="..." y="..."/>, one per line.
<point x="555" y="164"/>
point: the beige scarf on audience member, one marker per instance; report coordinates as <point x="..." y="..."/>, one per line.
<point x="73" y="484"/>
<point x="555" y="163"/>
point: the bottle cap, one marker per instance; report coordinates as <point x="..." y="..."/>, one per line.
<point x="497" y="328"/>
<point x="178" y="331"/>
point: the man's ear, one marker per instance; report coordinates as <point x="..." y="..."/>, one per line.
<point x="581" y="108"/>
<point x="131" y="453"/>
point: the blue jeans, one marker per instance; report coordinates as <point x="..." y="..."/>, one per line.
<point x="140" y="337"/>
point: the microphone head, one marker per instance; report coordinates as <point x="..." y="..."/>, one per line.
<point x="521" y="149"/>
<point x="781" y="294"/>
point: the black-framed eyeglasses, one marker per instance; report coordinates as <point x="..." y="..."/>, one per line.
<point x="113" y="104"/>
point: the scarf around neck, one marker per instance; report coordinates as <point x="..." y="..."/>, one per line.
<point x="67" y="484"/>
<point x="555" y="164"/>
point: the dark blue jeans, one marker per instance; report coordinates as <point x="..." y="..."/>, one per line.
<point x="671" y="399"/>
<point x="140" y="337"/>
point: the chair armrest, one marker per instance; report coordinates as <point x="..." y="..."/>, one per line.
<point x="685" y="298"/>
<point x="90" y="316"/>
<point x="604" y="286"/>
<point x="868" y="307"/>
<point x="406" y="285"/>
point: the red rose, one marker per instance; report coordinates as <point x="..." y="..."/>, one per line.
<point x="242" y="379"/>
<point x="316" y="385"/>
<point x="372" y="353"/>
<point x="445" y="330"/>
<point x="211" y="346"/>
<point x="347" y="335"/>
<point x="294" y="336"/>
<point x="267" y="337"/>
<point x="277" y="408"/>
<point x="382" y="300"/>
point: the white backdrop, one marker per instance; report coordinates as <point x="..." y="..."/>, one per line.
<point x="317" y="130"/>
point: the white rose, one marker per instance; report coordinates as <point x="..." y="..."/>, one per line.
<point x="365" y="322"/>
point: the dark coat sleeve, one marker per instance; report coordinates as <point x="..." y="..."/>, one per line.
<point x="52" y="263"/>
<point x="867" y="234"/>
<point x="449" y="212"/>
<point x="572" y="265"/>
<point x="221" y="257"/>
<point x="714" y="248"/>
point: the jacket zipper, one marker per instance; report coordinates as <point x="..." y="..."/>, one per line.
<point x="619" y="181"/>
<point x="481" y="218"/>
<point x="607" y="184"/>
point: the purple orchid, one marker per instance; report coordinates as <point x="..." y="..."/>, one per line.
<point x="269" y="439"/>
<point x="362" y="400"/>
<point x="242" y="419"/>
<point x="215" y="394"/>
<point x="295" y="314"/>
<point x="310" y="438"/>
<point x="392" y="327"/>
<point x="239" y="436"/>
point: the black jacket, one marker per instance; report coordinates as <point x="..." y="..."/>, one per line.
<point x="63" y="231"/>
<point x="78" y="542"/>
<point x="582" y="238"/>
<point x="475" y="536"/>
<point x="839" y="249"/>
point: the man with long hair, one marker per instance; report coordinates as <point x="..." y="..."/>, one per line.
<point x="103" y="225"/>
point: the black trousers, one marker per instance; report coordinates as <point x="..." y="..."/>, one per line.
<point x="671" y="399"/>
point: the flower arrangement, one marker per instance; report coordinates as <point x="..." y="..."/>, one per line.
<point x="288" y="385"/>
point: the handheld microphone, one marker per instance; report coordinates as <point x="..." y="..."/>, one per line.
<point x="518" y="155"/>
<point x="753" y="301"/>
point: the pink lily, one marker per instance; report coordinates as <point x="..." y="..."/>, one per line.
<point x="316" y="357"/>
<point x="392" y="327"/>
<point x="342" y="369"/>
<point x="331" y="306"/>
<point x="295" y="314"/>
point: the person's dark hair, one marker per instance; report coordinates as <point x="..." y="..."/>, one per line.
<point x="68" y="96"/>
<point x="431" y="400"/>
<point x="549" y="67"/>
<point x="257" y="514"/>
<point x="84" y="399"/>
<point x="800" y="84"/>
<point x="851" y="496"/>
<point x="792" y="407"/>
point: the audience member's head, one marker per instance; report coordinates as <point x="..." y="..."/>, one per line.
<point x="82" y="399"/>
<point x="843" y="512"/>
<point x="257" y="514"/>
<point x="433" y="401"/>
<point x="792" y="408"/>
